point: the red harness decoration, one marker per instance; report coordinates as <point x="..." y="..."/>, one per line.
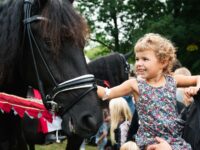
<point x="106" y="83"/>
<point x="34" y="108"/>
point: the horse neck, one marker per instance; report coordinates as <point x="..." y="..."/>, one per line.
<point x="13" y="84"/>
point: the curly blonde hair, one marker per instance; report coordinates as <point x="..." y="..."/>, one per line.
<point x="164" y="50"/>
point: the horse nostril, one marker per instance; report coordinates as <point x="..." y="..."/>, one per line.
<point x="90" y="122"/>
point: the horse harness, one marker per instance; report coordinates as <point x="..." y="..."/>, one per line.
<point x="82" y="82"/>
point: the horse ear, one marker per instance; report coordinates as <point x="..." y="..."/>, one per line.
<point x="71" y="1"/>
<point x="125" y="60"/>
<point x="127" y="55"/>
<point x="42" y="2"/>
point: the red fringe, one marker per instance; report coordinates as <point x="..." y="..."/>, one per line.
<point x="33" y="107"/>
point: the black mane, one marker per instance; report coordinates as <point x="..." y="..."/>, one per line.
<point x="63" y="22"/>
<point x="10" y="29"/>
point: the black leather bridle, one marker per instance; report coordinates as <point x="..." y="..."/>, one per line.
<point x="83" y="82"/>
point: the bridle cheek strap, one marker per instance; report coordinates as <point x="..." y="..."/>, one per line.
<point x="83" y="82"/>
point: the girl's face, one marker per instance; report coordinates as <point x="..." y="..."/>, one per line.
<point x="147" y="65"/>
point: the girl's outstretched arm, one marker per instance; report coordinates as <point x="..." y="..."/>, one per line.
<point x="193" y="82"/>
<point x="126" y="88"/>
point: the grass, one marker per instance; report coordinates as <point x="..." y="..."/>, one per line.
<point x="60" y="146"/>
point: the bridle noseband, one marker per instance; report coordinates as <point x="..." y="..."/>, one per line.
<point x="83" y="82"/>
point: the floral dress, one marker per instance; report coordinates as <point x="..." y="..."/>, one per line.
<point x="158" y="115"/>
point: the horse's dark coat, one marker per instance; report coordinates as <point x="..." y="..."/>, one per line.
<point x="192" y="125"/>
<point x="61" y="40"/>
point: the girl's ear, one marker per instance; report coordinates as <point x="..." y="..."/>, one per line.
<point x="164" y="63"/>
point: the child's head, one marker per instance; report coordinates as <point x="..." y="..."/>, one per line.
<point x="106" y="115"/>
<point x="163" y="48"/>
<point x="119" y="109"/>
<point x="183" y="71"/>
<point x="129" y="146"/>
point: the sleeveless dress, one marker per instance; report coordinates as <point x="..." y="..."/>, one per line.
<point x="158" y="115"/>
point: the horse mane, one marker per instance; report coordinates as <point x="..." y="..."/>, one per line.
<point x="10" y="25"/>
<point x="64" y="22"/>
<point x="110" y="68"/>
<point x="10" y="29"/>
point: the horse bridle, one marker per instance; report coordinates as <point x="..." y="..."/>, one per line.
<point x="83" y="82"/>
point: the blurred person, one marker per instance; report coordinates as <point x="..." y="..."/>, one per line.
<point x="120" y="117"/>
<point x="180" y="93"/>
<point x="102" y="134"/>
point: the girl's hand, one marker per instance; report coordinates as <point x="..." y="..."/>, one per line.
<point x="191" y="91"/>
<point x="161" y="145"/>
<point x="100" y="91"/>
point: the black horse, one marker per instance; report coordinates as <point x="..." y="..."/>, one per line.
<point x="41" y="44"/>
<point x="110" y="70"/>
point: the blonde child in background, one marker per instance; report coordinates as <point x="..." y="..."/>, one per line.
<point x="181" y="97"/>
<point x="120" y="117"/>
<point x="154" y="91"/>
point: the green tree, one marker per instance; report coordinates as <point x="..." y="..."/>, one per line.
<point x="117" y="24"/>
<point x="111" y="21"/>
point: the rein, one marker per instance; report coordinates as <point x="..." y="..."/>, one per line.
<point x="83" y="82"/>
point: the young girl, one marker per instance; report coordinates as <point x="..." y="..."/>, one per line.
<point x="120" y="117"/>
<point x="155" y="92"/>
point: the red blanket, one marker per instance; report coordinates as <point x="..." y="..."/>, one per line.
<point x="32" y="107"/>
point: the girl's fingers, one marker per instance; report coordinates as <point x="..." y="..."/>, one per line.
<point x="152" y="147"/>
<point x="159" y="140"/>
<point x="191" y="91"/>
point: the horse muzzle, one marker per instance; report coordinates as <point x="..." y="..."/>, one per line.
<point x="84" y="125"/>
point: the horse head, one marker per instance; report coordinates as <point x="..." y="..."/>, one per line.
<point x="113" y="68"/>
<point x="47" y="42"/>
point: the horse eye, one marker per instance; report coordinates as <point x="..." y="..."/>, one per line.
<point x="48" y="42"/>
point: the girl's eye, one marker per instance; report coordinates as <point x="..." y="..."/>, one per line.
<point x="145" y="59"/>
<point x="136" y="59"/>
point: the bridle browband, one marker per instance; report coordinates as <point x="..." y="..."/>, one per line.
<point x="83" y="82"/>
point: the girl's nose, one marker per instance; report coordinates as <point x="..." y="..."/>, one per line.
<point x="139" y="63"/>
